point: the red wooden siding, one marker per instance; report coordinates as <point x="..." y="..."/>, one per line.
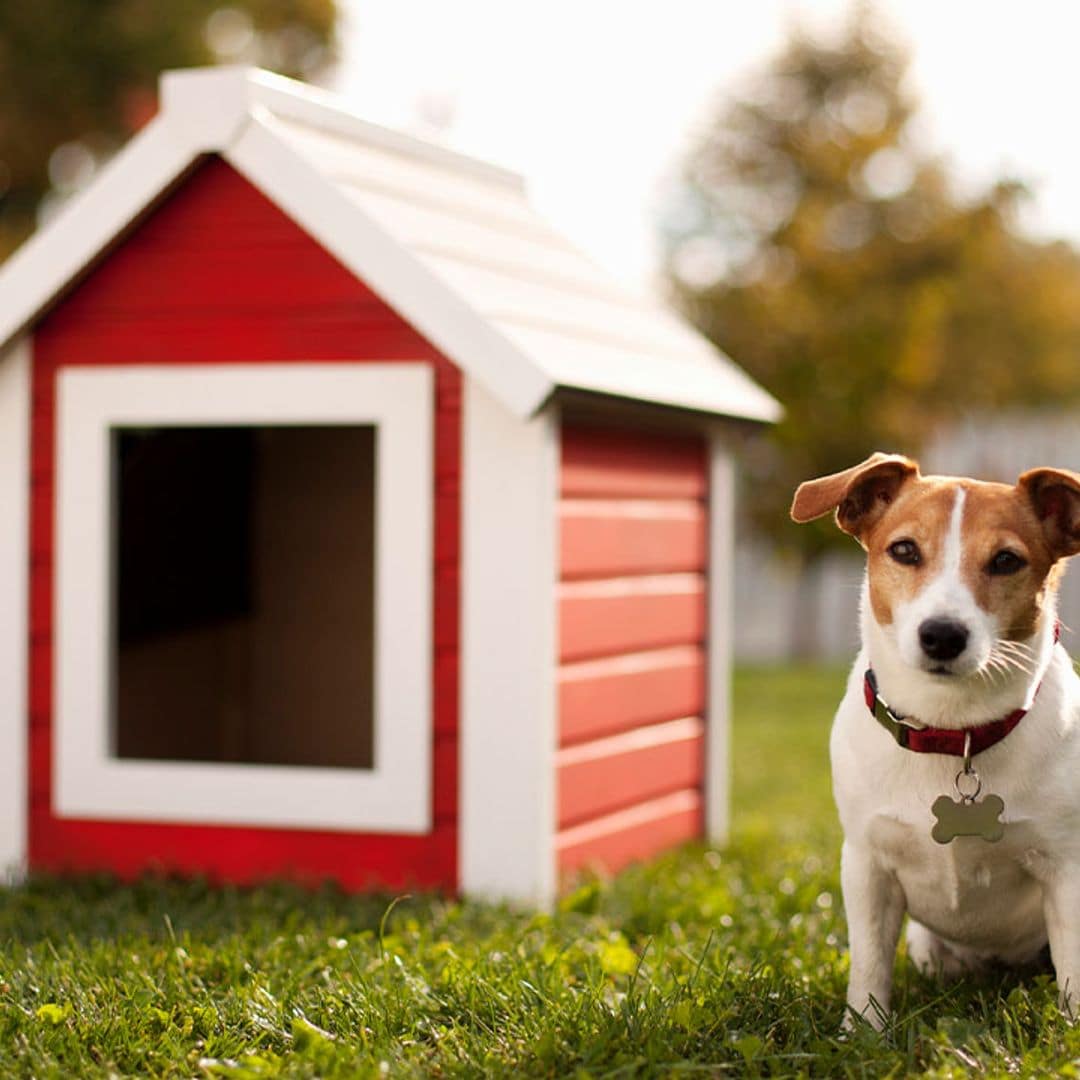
<point x="218" y="274"/>
<point x="621" y="615"/>
<point x="616" y="693"/>
<point x="606" y="464"/>
<point x="632" y="624"/>
<point x="604" y="538"/>
<point x="630" y="835"/>
<point x="607" y="774"/>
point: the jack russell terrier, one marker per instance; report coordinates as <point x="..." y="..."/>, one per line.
<point x="956" y="748"/>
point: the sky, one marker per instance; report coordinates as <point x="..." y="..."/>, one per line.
<point x="595" y="100"/>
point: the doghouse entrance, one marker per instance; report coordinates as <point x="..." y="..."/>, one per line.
<point x="243" y="567"/>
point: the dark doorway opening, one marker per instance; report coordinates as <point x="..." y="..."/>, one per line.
<point x="243" y="586"/>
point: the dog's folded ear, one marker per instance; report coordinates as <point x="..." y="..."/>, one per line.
<point x="859" y="495"/>
<point x="1054" y="494"/>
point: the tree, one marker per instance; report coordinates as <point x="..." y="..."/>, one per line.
<point x="813" y="239"/>
<point x="80" y="77"/>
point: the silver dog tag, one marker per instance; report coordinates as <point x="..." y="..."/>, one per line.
<point x="965" y="817"/>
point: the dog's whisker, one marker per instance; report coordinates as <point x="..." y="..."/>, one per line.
<point x="1002" y="662"/>
<point x="1006" y="668"/>
<point x="1016" y="650"/>
<point x="994" y="667"/>
<point x="1020" y="647"/>
<point x="1012" y="660"/>
<point x="1009" y="645"/>
<point x="1023" y="663"/>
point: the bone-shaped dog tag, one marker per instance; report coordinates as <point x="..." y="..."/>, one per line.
<point x="967" y="818"/>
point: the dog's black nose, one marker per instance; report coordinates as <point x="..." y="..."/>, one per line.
<point x="943" y="639"/>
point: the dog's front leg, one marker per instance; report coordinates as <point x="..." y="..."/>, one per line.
<point x="1061" y="908"/>
<point x="875" y="904"/>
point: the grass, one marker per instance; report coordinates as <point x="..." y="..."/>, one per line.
<point x="704" y="963"/>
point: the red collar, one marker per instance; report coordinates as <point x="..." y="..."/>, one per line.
<point x="928" y="740"/>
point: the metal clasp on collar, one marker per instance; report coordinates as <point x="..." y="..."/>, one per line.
<point x="900" y="726"/>
<point x="969" y="774"/>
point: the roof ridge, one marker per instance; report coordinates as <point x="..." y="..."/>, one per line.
<point x="221" y="96"/>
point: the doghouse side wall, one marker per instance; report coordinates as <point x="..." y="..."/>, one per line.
<point x="632" y="608"/>
<point x="217" y="274"/>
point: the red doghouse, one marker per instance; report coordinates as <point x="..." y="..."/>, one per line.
<point x="355" y="525"/>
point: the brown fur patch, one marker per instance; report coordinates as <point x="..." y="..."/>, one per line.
<point x="998" y="517"/>
<point x="921" y="513"/>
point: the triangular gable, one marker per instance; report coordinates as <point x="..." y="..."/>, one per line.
<point x="215" y="272"/>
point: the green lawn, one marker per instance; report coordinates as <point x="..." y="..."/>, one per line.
<point x="704" y="963"/>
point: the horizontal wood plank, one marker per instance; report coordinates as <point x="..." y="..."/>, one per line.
<point x="607" y="616"/>
<point x="618" y="839"/>
<point x="606" y="775"/>
<point x="604" y="463"/>
<point x="612" y="538"/>
<point x="602" y="697"/>
<point x="249" y="855"/>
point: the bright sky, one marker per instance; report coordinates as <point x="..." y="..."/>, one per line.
<point x="593" y="100"/>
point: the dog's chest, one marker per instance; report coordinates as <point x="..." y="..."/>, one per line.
<point x="983" y="894"/>
<point x="969" y="890"/>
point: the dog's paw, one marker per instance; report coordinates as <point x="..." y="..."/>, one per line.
<point x="1069" y="999"/>
<point x="870" y="1017"/>
<point x="932" y="956"/>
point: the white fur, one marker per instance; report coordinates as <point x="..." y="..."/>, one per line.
<point x="968" y="901"/>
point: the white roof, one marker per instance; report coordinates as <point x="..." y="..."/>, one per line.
<point x="449" y="241"/>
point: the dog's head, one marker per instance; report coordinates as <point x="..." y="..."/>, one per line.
<point x="956" y="569"/>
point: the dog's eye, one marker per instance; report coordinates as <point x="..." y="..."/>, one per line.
<point x="1006" y="562"/>
<point x="906" y="552"/>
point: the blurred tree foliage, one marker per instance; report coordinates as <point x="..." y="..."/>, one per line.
<point x="814" y="240"/>
<point x="80" y="76"/>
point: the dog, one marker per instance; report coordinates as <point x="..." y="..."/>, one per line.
<point x="956" y="747"/>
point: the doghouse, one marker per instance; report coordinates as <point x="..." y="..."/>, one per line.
<point x="355" y="526"/>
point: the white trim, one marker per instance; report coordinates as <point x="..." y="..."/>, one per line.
<point x="387" y="266"/>
<point x="211" y="104"/>
<point x="721" y="556"/>
<point x="508" y="655"/>
<point x="14" y="614"/>
<point x="89" y="221"/>
<point x="395" y="794"/>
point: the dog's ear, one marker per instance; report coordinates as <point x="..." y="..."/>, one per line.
<point x="859" y="495"/>
<point x="1054" y="495"/>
